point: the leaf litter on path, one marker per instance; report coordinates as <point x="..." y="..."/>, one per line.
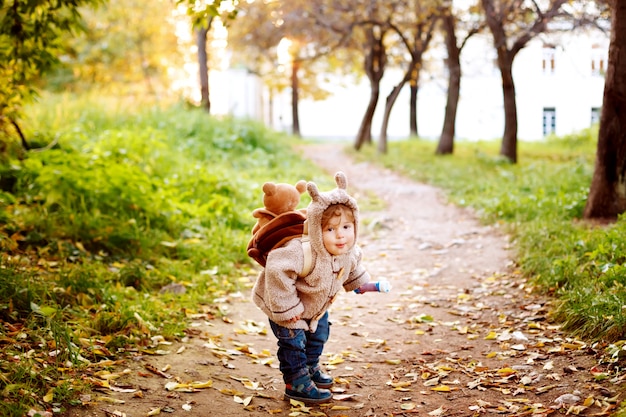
<point x="461" y="333"/>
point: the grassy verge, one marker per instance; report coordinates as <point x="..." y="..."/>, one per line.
<point x="540" y="203"/>
<point x="137" y="219"/>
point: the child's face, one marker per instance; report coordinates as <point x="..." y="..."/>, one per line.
<point x="339" y="236"/>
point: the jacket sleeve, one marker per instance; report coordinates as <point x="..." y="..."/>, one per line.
<point x="281" y="273"/>
<point x="358" y="274"/>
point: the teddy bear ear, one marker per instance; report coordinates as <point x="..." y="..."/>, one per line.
<point x="301" y="186"/>
<point x="341" y="180"/>
<point x="269" y="188"/>
<point x="312" y="189"/>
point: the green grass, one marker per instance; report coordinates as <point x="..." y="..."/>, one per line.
<point x="539" y="202"/>
<point x="135" y="196"/>
<point x="132" y="197"/>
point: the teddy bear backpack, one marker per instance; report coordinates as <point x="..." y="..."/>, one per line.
<point x="279" y="221"/>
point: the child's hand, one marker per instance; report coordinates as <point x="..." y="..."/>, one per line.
<point x="294" y="319"/>
<point x="380" y="286"/>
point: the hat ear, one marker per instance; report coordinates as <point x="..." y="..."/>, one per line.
<point x="341" y="180"/>
<point x="313" y="191"/>
<point x="301" y="186"/>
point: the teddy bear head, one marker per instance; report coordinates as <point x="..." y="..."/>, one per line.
<point x="278" y="198"/>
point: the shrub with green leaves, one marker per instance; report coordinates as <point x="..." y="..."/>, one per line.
<point x="129" y="201"/>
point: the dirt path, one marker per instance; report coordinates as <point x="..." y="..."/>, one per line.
<point x="459" y="335"/>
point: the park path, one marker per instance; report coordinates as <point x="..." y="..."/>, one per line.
<point x="461" y="333"/>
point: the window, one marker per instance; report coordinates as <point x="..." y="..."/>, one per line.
<point x="549" y="120"/>
<point x="548" y="63"/>
<point x="598" y="60"/>
<point x="595" y="115"/>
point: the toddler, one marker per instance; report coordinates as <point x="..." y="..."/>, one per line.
<point x="297" y="307"/>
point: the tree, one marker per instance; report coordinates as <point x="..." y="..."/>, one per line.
<point x="374" y="63"/>
<point x="414" y="24"/>
<point x="282" y="42"/>
<point x="254" y="42"/>
<point x="127" y="45"/>
<point x="30" y="44"/>
<point x="607" y="195"/>
<point x="513" y="23"/>
<point x="470" y="26"/>
<point x="202" y="15"/>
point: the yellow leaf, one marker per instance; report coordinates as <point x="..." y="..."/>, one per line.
<point x="49" y="396"/>
<point x="110" y="400"/>
<point x="506" y="371"/>
<point x="491" y="336"/>
<point x="491" y="354"/>
<point x="393" y="361"/>
<point x="441" y="388"/>
<point x="154" y="412"/>
<point x="335" y="361"/>
<point x="588" y="401"/>
<point x="572" y="346"/>
<point x="205" y="384"/>
<point x="407" y="406"/>
<point x="252" y="385"/>
<point x="544" y="389"/>
<point x="340" y="407"/>
<point x="230" y="391"/>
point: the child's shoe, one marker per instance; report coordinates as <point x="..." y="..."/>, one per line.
<point x="321" y="379"/>
<point x="303" y="389"/>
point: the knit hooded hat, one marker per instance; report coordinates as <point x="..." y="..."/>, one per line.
<point x="320" y="201"/>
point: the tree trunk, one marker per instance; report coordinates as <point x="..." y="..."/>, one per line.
<point x="374" y="65"/>
<point x="201" y="43"/>
<point x="295" y="67"/>
<point x="607" y="196"/>
<point x="391" y="99"/>
<point x="508" y="43"/>
<point x="365" y="130"/>
<point x="270" y="108"/>
<point x="509" y="138"/>
<point x="446" y="140"/>
<point x="413" y="108"/>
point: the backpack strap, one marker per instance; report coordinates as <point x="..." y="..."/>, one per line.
<point x="306" y="249"/>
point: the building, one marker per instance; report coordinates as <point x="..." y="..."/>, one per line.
<point x="559" y="84"/>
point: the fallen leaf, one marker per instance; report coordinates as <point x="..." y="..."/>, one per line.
<point x="49" y="396"/>
<point x="109" y="400"/>
<point x="245" y="401"/>
<point x="506" y="371"/>
<point x="437" y="412"/>
<point x="156" y="371"/>
<point x="344" y="397"/>
<point x="340" y="407"/>
<point x="491" y="336"/>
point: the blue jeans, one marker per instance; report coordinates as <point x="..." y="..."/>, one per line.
<point x="298" y="349"/>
